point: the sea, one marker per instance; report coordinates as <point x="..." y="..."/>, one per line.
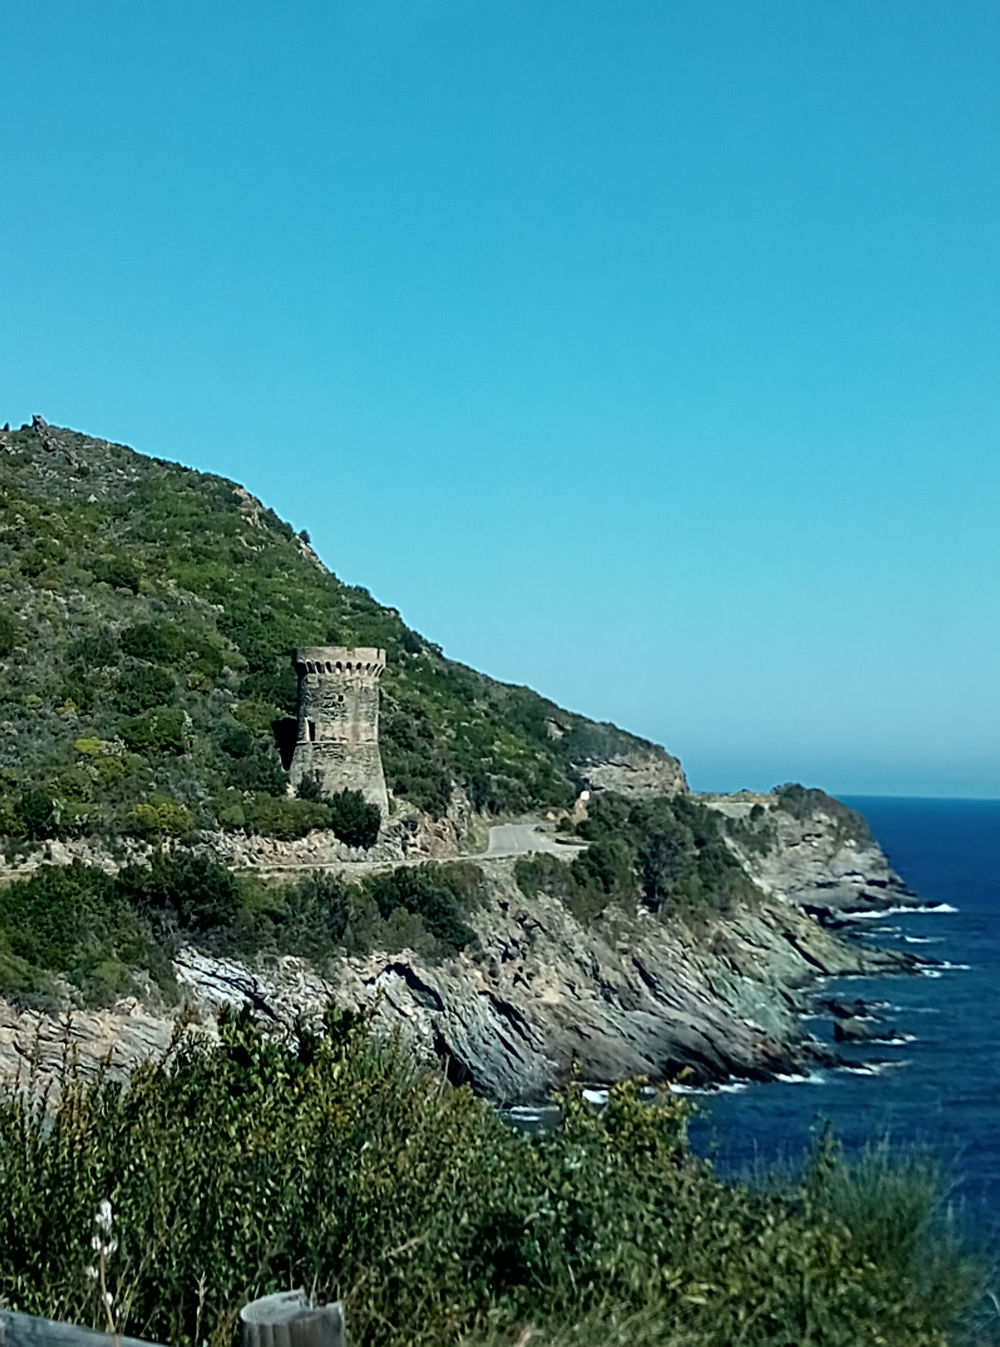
<point x="938" y="1085"/>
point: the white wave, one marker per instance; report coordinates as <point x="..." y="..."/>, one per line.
<point x="922" y="939"/>
<point x="735" y="1086"/>
<point x="523" y="1113"/>
<point x="897" y="1042"/>
<point x="809" y="1078"/>
<point x="954" y="967"/>
<point x="916" y="910"/>
<point x="871" y="1068"/>
<point x="596" y="1096"/>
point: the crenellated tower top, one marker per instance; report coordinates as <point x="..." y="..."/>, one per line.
<point x="362" y="660"/>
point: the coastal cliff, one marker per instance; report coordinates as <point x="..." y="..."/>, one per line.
<point x="807" y="848"/>
<point x="540" y="991"/>
<point x="148" y="614"/>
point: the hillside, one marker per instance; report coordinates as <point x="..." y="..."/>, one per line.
<point x="147" y="617"/>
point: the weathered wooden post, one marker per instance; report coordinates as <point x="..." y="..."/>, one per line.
<point x="289" y="1319"/>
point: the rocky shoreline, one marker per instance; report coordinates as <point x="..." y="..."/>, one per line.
<point x="629" y="994"/>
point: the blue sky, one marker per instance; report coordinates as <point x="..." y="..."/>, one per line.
<point x="646" y="353"/>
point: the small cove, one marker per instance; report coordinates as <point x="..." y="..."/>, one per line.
<point x="938" y="1083"/>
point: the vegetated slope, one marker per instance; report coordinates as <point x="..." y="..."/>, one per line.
<point x="326" y="1158"/>
<point x="147" y="617"/>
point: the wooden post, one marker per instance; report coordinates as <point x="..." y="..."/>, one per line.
<point x="289" y="1319"/>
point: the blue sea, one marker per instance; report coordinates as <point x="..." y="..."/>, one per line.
<point x="941" y="1085"/>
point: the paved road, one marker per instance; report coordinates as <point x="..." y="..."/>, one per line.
<point x="506" y="840"/>
<point x="520" y="839"/>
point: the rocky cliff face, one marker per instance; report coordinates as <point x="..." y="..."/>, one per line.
<point x="627" y="995"/>
<point x="651" y="771"/>
<point x="820" y="857"/>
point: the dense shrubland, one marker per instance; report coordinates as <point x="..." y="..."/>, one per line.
<point x="329" y="1160"/>
<point x="147" y="618"/>
<point x="667" y="855"/>
<point x="75" y="933"/>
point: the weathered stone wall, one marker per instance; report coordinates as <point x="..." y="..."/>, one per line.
<point x="337" y="738"/>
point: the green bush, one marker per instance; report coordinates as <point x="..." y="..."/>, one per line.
<point x="36" y="813"/>
<point x="96" y="650"/>
<point x="258" y="770"/>
<point x="668" y="854"/>
<point x="185" y="890"/>
<point x="159" y="730"/>
<point x="329" y="1160"/>
<point x="73" y="920"/>
<point x="143" y="687"/>
<point x="354" y="819"/>
<point x="8" y="634"/>
<point x="119" y="571"/>
<point x="162" y="818"/>
<point x="160" y="642"/>
<point x="438" y="894"/>
<point x="287" y="819"/>
<point x="804" y="801"/>
<point x="318" y="912"/>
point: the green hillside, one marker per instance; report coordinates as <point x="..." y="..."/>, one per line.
<point x="147" y="617"/>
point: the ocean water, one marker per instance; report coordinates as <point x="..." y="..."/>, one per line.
<point x="941" y="1086"/>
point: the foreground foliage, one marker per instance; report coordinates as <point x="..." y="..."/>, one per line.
<point x="332" y="1161"/>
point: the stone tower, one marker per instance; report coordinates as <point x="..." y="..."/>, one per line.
<point x="338" y="720"/>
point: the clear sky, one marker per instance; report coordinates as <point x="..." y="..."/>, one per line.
<point x="643" y="352"/>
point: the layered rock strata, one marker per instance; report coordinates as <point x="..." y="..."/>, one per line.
<point x="818" y="862"/>
<point x="628" y="995"/>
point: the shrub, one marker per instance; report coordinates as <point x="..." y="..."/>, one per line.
<point x="259" y="770"/>
<point x="318" y="911"/>
<point x="118" y="571"/>
<point x="435" y="893"/>
<point x="36" y="812"/>
<point x="802" y="802"/>
<point x="186" y="890"/>
<point x="96" y="651"/>
<point x="353" y="819"/>
<point x="143" y="687"/>
<point x="287" y="819"/>
<point x="72" y="920"/>
<point x="328" y="1159"/>
<point x="165" y="818"/>
<point x="160" y="642"/>
<point x="666" y="853"/>
<point x="8" y="634"/>
<point x="159" y="730"/>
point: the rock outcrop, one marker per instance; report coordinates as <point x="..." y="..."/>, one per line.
<point x="824" y="861"/>
<point x="641" y="771"/>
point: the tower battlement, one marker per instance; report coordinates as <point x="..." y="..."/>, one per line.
<point x="362" y="660"/>
<point x="337" y="739"/>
